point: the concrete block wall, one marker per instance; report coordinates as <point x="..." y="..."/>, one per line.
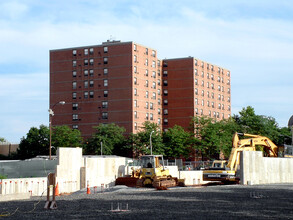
<point x="256" y="169"/>
<point x="193" y="177"/>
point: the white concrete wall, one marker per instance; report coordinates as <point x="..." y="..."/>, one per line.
<point x="33" y="186"/>
<point x="256" y="169"/>
<point x="70" y="162"/>
<point x="193" y="177"/>
<point x="103" y="170"/>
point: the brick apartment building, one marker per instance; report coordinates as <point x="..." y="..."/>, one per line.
<point x="126" y="84"/>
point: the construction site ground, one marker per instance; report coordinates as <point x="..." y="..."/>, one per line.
<point x="120" y="202"/>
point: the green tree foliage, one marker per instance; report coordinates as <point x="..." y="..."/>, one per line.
<point x="63" y="136"/>
<point x="110" y="135"/>
<point x="178" y="142"/>
<point x="2" y="139"/>
<point x="35" y="143"/>
<point x="140" y="142"/>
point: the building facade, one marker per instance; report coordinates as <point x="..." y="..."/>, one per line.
<point x="126" y="84"/>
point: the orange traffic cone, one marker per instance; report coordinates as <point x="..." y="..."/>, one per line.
<point x="88" y="191"/>
<point x="57" y="190"/>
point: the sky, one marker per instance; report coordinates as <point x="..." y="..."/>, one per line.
<point x="251" y="38"/>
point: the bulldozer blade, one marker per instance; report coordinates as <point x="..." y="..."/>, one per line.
<point x="127" y="181"/>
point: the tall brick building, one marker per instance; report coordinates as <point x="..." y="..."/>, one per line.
<point x="126" y="84"/>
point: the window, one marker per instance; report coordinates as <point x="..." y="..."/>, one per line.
<point x="135" y="58"/>
<point x="105" y="49"/>
<point x="228" y="99"/>
<point x="154" y="95"/>
<point x="86" y="51"/>
<point x="213" y="104"/>
<point x="223" y="107"/>
<point x="222" y="88"/>
<point x="135" y="114"/>
<point x="219" y="88"/>
<point x="74" y="73"/>
<point x="153" y="53"/>
<point x="74" y="106"/>
<point x="74" y="95"/>
<point x="219" y="97"/>
<point x="208" y="103"/>
<point x="202" y="102"/>
<point x="195" y="62"/>
<point x="86" y="95"/>
<point x="208" y="66"/>
<point x="219" y="79"/>
<point x="91" y="72"/>
<point x="159" y="101"/>
<point x="146" y="94"/>
<point x="74" y="52"/>
<point x="154" y="64"/>
<point x="74" y="63"/>
<point x="147" y="116"/>
<point x="202" y="83"/>
<point x="210" y="113"/>
<point x="165" y="111"/>
<point x="91" y="83"/>
<point x="134" y="47"/>
<point x="146" y="62"/>
<point x="146" y="72"/>
<point x="165" y="121"/>
<point x="195" y="81"/>
<point x="212" y="77"/>
<point x="146" y="83"/>
<point x="74" y="117"/>
<point x="165" y="73"/>
<point x="159" y="111"/>
<point x="91" y="50"/>
<point x="104" y="104"/>
<point x="154" y="74"/>
<point x="135" y="69"/>
<point x="105" y="71"/>
<point x="91" y="61"/>
<point x="159" y="92"/>
<point x="196" y="101"/>
<point x="196" y="111"/>
<point x="159" y="82"/>
<point x="201" y="112"/>
<point x="135" y="81"/>
<point x="219" y="70"/>
<point x="105" y="82"/>
<point x="212" y="68"/>
<point x="135" y="103"/>
<point x="228" y="90"/>
<point x="196" y="92"/>
<point x="104" y="115"/>
<point x="91" y="94"/>
<point x="219" y="106"/>
<point x="74" y="126"/>
<point x="195" y="72"/>
<point x="229" y="108"/>
<point x="165" y="82"/>
<point x="212" y="95"/>
<point x="151" y="105"/>
<point x="208" y="94"/>
<point x="86" y="62"/>
<point x="218" y="115"/>
<point x="146" y="51"/>
<point x="202" y="92"/>
<point x="85" y="72"/>
<point x="223" y="98"/>
<point x="208" y="84"/>
<point x="202" y="64"/>
<point x="208" y="75"/>
<point x="228" y="73"/>
<point x="105" y="60"/>
<point x="73" y="85"/>
<point x="159" y="121"/>
<point x="165" y="92"/>
<point x="202" y="74"/>
<point x="151" y="116"/>
<point x="135" y="92"/>
<point x="146" y="105"/>
<point x="228" y="82"/>
<point x="105" y="93"/>
<point x="86" y="84"/>
<point x="212" y="85"/>
<point x="135" y="126"/>
<point x="165" y="101"/>
<point x="154" y="85"/>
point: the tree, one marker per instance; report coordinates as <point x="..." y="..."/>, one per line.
<point x="111" y="137"/>
<point x="178" y="142"/>
<point x="140" y="142"/>
<point x="35" y="143"/>
<point x="63" y="136"/>
<point x="2" y="139"/>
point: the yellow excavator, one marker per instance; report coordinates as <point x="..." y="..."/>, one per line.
<point x="152" y="172"/>
<point x="225" y="171"/>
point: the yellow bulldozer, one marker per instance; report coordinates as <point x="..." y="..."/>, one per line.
<point x="152" y="172"/>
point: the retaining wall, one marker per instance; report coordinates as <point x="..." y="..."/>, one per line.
<point x="256" y="169"/>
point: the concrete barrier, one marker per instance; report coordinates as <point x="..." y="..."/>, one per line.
<point x="256" y="169"/>
<point x="193" y="177"/>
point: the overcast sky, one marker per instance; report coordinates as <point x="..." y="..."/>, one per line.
<point x="252" y="38"/>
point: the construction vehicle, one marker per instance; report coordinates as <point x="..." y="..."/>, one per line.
<point x="152" y="172"/>
<point x="226" y="171"/>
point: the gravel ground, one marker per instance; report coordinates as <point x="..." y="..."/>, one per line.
<point x="211" y="202"/>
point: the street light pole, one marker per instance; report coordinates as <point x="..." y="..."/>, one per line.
<point x="151" y="142"/>
<point x="51" y="114"/>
